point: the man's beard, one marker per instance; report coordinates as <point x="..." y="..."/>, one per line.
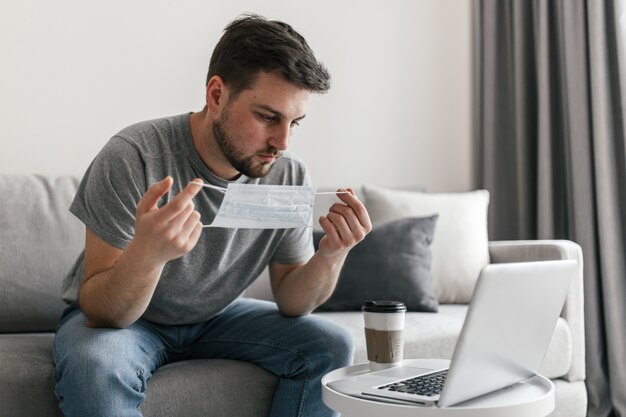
<point x="242" y="163"/>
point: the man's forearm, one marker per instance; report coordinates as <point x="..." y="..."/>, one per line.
<point x="118" y="296"/>
<point x="118" y="285"/>
<point x="305" y="288"/>
<point x="300" y="290"/>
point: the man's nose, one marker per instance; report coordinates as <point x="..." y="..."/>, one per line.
<point x="280" y="136"/>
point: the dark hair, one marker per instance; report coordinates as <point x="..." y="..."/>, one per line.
<point x="251" y="44"/>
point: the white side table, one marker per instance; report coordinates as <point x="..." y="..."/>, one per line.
<point x="530" y="398"/>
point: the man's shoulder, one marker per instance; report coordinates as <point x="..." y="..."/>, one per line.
<point x="156" y="136"/>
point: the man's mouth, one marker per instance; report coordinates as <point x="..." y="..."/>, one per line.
<point x="266" y="157"/>
<point x="270" y="156"/>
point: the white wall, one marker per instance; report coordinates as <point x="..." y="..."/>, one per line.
<point x="74" y="72"/>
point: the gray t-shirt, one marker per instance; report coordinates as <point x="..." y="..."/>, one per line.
<point x="204" y="281"/>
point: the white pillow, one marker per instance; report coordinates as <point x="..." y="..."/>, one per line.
<point x="460" y="248"/>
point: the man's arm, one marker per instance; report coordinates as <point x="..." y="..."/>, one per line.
<point x="118" y="284"/>
<point x="300" y="289"/>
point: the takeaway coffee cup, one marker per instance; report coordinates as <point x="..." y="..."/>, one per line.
<point x="384" y="333"/>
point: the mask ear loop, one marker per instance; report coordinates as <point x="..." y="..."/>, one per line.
<point x="214" y="187"/>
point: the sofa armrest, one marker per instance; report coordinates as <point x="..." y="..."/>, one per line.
<point x="573" y="310"/>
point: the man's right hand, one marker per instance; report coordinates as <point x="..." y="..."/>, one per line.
<point x="168" y="232"/>
<point x="118" y="284"/>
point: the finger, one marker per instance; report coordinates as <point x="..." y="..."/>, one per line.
<point x="184" y="239"/>
<point x="192" y="222"/>
<point x="191" y="231"/>
<point x="195" y="234"/>
<point x="352" y="200"/>
<point x="350" y="217"/>
<point x="342" y="227"/>
<point x="329" y="229"/>
<point x="154" y="194"/>
<point x="177" y="223"/>
<point x="179" y="203"/>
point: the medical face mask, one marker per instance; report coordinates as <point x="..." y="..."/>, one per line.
<point x="257" y="206"/>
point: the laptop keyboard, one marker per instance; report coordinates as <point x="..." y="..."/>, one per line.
<point x="427" y="385"/>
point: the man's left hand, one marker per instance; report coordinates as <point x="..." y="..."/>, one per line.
<point x="345" y="225"/>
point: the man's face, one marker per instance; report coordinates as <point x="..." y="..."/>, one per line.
<point x="254" y="128"/>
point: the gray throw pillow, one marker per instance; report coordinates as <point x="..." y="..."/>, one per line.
<point x="391" y="263"/>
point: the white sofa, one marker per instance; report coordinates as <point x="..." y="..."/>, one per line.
<point x="39" y="241"/>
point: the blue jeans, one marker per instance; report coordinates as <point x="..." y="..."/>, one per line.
<point x="104" y="372"/>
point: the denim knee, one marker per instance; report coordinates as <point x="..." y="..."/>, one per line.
<point x="99" y="371"/>
<point x="334" y="345"/>
<point x="88" y="369"/>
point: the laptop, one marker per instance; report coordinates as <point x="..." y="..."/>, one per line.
<point x="504" y="339"/>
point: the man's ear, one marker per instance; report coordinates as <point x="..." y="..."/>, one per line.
<point x="216" y="94"/>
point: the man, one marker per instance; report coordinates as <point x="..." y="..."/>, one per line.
<point x="153" y="286"/>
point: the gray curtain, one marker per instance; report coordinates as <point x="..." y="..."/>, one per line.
<point x="549" y="128"/>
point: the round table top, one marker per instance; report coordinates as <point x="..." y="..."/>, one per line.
<point x="533" y="397"/>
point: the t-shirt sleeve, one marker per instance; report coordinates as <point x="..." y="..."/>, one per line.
<point x="108" y="194"/>
<point x="296" y="247"/>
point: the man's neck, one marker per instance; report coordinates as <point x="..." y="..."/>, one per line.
<point x="207" y="148"/>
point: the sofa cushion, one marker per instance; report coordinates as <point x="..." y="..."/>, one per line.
<point x="391" y="263"/>
<point x="190" y="388"/>
<point x="460" y="248"/>
<point x="40" y="241"/>
<point x="186" y="388"/>
<point x="26" y="377"/>
<point x="430" y="335"/>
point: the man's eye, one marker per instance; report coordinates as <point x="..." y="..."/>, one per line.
<point x="295" y="123"/>
<point x="267" y="118"/>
